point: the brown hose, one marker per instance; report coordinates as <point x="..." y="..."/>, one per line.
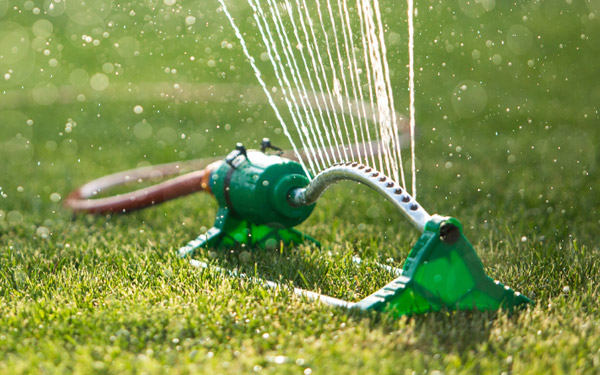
<point x="81" y="199"/>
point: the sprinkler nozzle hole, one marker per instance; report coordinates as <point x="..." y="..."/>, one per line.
<point x="405" y="198"/>
<point x="449" y="233"/>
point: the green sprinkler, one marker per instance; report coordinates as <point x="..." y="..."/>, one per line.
<point x="263" y="196"/>
<point x="252" y="189"/>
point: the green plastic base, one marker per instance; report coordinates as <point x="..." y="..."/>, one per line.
<point x="442" y="271"/>
<point x="231" y="232"/>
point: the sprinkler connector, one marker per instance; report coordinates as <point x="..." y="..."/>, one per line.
<point x="252" y="189"/>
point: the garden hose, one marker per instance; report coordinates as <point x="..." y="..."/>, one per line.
<point x="83" y="199"/>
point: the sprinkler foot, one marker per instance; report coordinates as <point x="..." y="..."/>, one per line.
<point x="231" y="232"/>
<point x="442" y="271"/>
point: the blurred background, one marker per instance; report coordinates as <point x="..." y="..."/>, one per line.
<point x="507" y="100"/>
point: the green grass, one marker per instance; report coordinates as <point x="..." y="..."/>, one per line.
<point x="107" y="295"/>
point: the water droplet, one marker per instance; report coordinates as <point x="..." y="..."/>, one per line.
<point x="99" y="82"/>
<point x="245" y="257"/>
<point x="128" y="46"/>
<point x="55" y="197"/>
<point x="69" y="147"/>
<point x="190" y="20"/>
<point x="69" y="125"/>
<point x="78" y="77"/>
<point x="45" y="93"/>
<point x="138" y="109"/>
<point x="519" y="40"/>
<point x="108" y="68"/>
<point x="476" y="8"/>
<point x="14" y="217"/>
<point x="373" y="212"/>
<point x="469" y="99"/>
<point x="167" y="135"/>
<point x="497" y="59"/>
<point x="20" y="150"/>
<point x="142" y="130"/>
<point x="42" y="232"/>
<point x="42" y="28"/>
<point x="51" y="146"/>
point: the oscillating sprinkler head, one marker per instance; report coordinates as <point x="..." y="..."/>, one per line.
<point x="254" y="186"/>
<point x="252" y="189"/>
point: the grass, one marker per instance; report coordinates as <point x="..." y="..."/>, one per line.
<point x="107" y="295"/>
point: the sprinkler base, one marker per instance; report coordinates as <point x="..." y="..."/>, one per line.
<point x="442" y="271"/>
<point x="231" y="232"/>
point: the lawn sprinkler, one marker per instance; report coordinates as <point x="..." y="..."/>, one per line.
<point x="263" y="195"/>
<point x="252" y="189"/>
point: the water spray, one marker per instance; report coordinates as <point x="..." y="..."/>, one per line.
<point x="263" y="195"/>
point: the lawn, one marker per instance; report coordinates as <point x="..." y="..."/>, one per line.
<point x="87" y="90"/>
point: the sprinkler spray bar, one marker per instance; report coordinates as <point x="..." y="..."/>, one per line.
<point x="366" y="175"/>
